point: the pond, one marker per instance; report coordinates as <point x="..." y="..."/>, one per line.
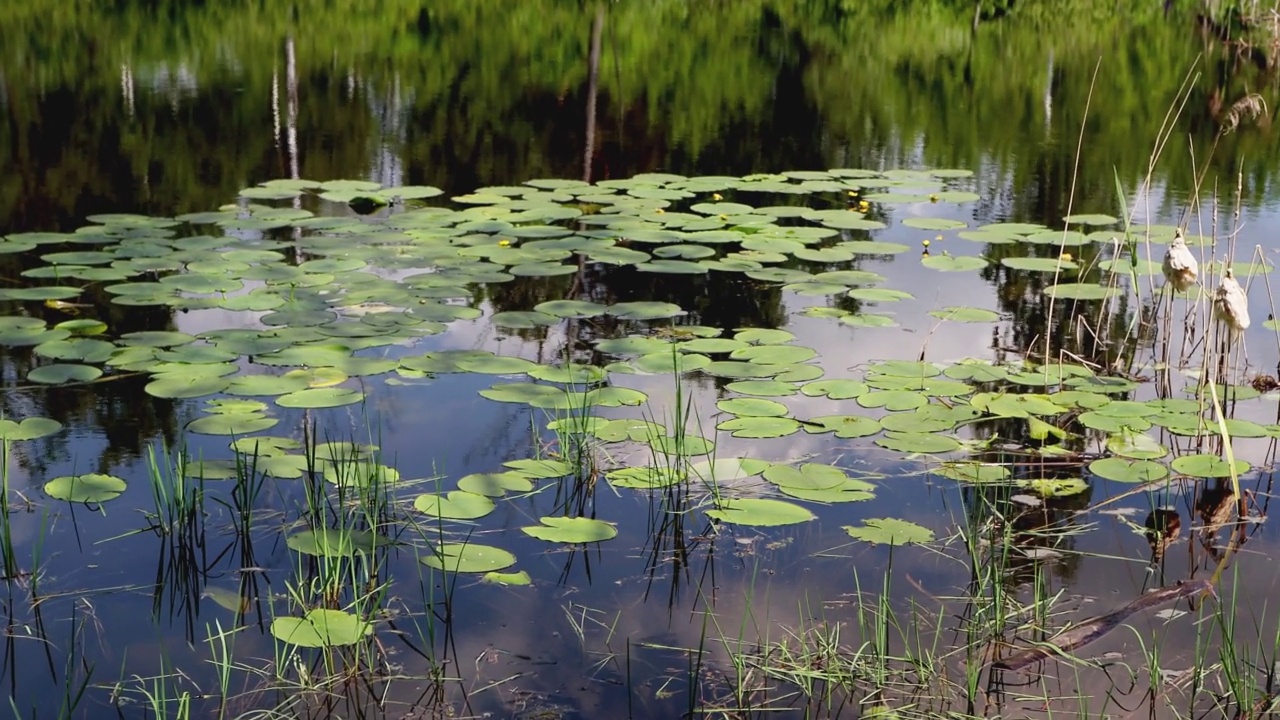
<point x="491" y="359"/>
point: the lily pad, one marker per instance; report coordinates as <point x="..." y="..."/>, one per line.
<point x="1128" y="471"/>
<point x="467" y="558"/>
<point x="965" y="314"/>
<point x="1207" y="466"/>
<point x="60" y="373"/>
<point x="455" y="505"/>
<point x="89" y="488"/>
<point x="760" y="427"/>
<point x="890" y="531"/>
<point x="954" y="263"/>
<point x="321" y="628"/>
<point x="571" y="530"/>
<point x="752" y="407"/>
<point x="325" y="397"/>
<point x="760" y="512"/>
<point x="335" y="542"/>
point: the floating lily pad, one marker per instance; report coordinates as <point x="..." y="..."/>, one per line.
<point x="645" y="477"/>
<point x="89" y="488"/>
<point x="467" y="558"/>
<point x="1208" y="466"/>
<point x="954" y="263"/>
<point x="760" y="427"/>
<point x="890" y="531"/>
<point x="917" y="442"/>
<point x="1080" y="291"/>
<point x="231" y="424"/>
<point x="809" y="476"/>
<point x="752" y="407"/>
<point x="1128" y="471"/>
<point x="321" y="628"/>
<point x="60" y="373"/>
<point x="571" y="530"/>
<point x="496" y="484"/>
<point x="974" y="472"/>
<point x="176" y="386"/>
<point x="760" y="512"/>
<point x="836" y="389"/>
<point x="326" y="397"/>
<point x="455" y="505"/>
<point x="645" y="310"/>
<point x="763" y="388"/>
<point x="335" y="542"/>
<point x="844" y="426"/>
<point x="965" y="314"/>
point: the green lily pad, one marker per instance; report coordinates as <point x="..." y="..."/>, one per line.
<point x="895" y="400"/>
<point x="760" y="427"/>
<point x="496" y="484"/>
<point x="1090" y="219"/>
<point x="809" y="476"/>
<point x="1136" y="446"/>
<point x="835" y="389"/>
<point x="844" y="426"/>
<point x="917" y="442"/>
<point x="752" y="407"/>
<point x="335" y="542"/>
<point x="1207" y="466"/>
<point x="323" y="397"/>
<point x="1080" y="291"/>
<point x="178" y="386"/>
<point x="455" y="505"/>
<point x="975" y="473"/>
<point x="571" y="530"/>
<point x="1128" y="471"/>
<point x="571" y="308"/>
<point x="514" y="579"/>
<point x="1039" y="264"/>
<point x="321" y="628"/>
<point x="763" y="388"/>
<point x="89" y="488"/>
<point x="540" y="469"/>
<point x="645" y="477"/>
<point x="890" y="531"/>
<point x="231" y="424"/>
<point x="954" y="263"/>
<point x="644" y="310"/>
<point x="496" y="365"/>
<point x="763" y="336"/>
<point x="1055" y="487"/>
<point x="467" y="558"/>
<point x="60" y="373"/>
<point x="760" y="512"/>
<point x="156" y="338"/>
<point x="773" y="354"/>
<point x="937" y="224"/>
<point x="965" y="314"/>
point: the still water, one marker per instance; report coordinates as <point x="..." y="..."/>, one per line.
<point x="163" y="111"/>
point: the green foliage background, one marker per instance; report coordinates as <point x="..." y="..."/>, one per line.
<point x="472" y="92"/>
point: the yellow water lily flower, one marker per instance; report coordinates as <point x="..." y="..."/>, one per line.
<point x="864" y="206"/>
<point x="504" y="243"/>
<point x="933" y="198"/>
<point x="1065" y="257"/>
<point x="925" y="243"/>
<point x="717" y="197"/>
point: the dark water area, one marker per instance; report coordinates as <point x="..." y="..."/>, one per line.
<point x="909" y="125"/>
